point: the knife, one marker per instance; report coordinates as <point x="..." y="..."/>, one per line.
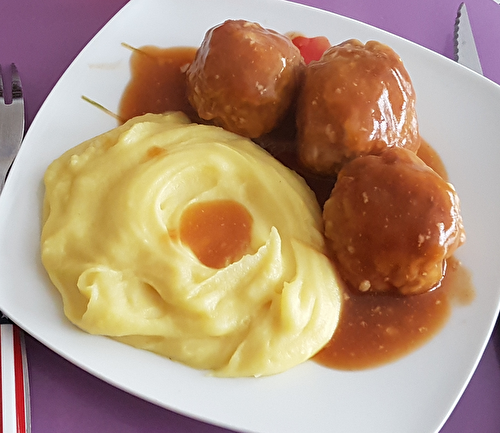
<point x="465" y="47"/>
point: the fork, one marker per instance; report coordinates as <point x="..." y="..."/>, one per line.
<point x="11" y="123"/>
<point x="15" y="414"/>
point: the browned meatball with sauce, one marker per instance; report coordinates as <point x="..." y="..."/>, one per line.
<point x="356" y="100"/>
<point x="244" y="77"/>
<point x="391" y="221"/>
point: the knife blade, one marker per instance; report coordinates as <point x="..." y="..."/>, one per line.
<point x="465" y="46"/>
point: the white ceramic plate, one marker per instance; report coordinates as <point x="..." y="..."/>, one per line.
<point x="458" y="115"/>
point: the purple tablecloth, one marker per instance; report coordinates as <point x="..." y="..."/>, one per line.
<point x="44" y="36"/>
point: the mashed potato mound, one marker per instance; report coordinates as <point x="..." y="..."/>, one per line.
<point x="110" y="244"/>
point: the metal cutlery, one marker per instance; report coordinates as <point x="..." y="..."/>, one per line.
<point x="11" y="123"/>
<point x="465" y="46"/>
<point x="15" y="414"/>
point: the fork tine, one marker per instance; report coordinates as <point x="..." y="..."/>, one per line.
<point x="17" y="88"/>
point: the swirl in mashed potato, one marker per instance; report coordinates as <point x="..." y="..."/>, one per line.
<point x="111" y="245"/>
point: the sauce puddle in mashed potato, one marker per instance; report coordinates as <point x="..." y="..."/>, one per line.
<point x="373" y="329"/>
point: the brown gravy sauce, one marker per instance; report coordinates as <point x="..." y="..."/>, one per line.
<point x="373" y="329"/>
<point x="218" y="231"/>
<point x="157" y="83"/>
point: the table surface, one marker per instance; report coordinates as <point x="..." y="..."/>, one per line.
<point x="43" y="37"/>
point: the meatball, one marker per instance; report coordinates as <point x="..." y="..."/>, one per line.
<point x="356" y="100"/>
<point x="244" y="77"/>
<point x="391" y="222"/>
